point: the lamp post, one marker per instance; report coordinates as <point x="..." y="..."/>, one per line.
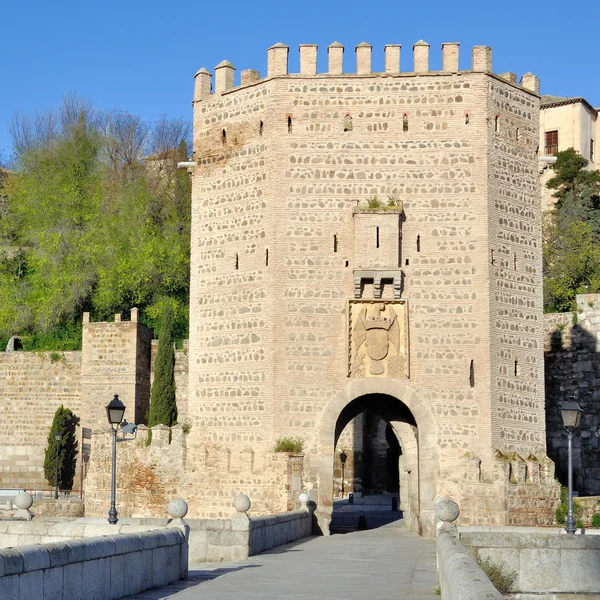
<point x="58" y="437"/>
<point x="571" y="415"/>
<point x="115" y="412"/>
<point x="343" y="458"/>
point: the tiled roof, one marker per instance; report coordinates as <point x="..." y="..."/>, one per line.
<point x="550" y="101"/>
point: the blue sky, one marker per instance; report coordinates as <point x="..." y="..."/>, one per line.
<point x="141" y="56"/>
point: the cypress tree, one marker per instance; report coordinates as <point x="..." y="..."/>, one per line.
<point x="163" y="407"/>
<point x="64" y="422"/>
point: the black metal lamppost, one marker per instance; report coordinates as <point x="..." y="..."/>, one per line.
<point x="571" y="415"/>
<point x="343" y="459"/>
<point x="115" y="412"/>
<point x="58" y="437"/>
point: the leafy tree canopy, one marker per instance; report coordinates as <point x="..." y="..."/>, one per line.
<point x="577" y="191"/>
<point x="96" y="218"/>
<point x="571" y="233"/>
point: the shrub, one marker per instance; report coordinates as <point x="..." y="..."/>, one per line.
<point x="596" y="520"/>
<point x="501" y="577"/>
<point x="374" y="202"/>
<point x="579" y="524"/>
<point x="64" y="422"/>
<point x="561" y="512"/>
<point x="284" y="444"/>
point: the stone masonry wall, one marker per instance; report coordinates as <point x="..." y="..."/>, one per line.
<point x="115" y="360"/>
<point x="516" y="272"/>
<point x="176" y="465"/>
<point x="33" y="386"/>
<point x="573" y="370"/>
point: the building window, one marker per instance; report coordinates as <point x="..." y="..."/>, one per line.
<point x="405" y="122"/>
<point x="592" y="150"/>
<point x="496" y="123"/>
<point x="289" y="119"/>
<point x="260" y="128"/>
<point x="551" y="146"/>
<point x="347" y="123"/>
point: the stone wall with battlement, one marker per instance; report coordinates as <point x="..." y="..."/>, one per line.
<point x="33" y="385"/>
<point x="115" y="359"/>
<point x="285" y="167"/>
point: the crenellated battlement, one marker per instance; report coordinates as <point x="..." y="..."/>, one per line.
<point x="278" y="66"/>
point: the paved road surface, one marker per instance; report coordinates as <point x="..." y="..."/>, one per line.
<point x="379" y="564"/>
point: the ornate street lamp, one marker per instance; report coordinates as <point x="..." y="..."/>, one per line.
<point x="571" y="415"/>
<point x="115" y="412"/>
<point x="58" y="437"/>
<point x="343" y="459"/>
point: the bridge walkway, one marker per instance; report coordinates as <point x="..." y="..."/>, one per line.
<point x="387" y="563"/>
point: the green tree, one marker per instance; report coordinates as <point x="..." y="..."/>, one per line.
<point x="571" y="260"/>
<point x="96" y="218"/>
<point x="64" y="422"/>
<point x="163" y="407"/>
<point x="577" y="191"/>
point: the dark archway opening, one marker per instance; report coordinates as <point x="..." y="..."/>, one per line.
<point x="367" y="485"/>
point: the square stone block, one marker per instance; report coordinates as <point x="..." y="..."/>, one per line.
<point x="541" y="570"/>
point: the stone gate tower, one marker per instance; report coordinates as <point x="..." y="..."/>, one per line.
<point x="372" y="241"/>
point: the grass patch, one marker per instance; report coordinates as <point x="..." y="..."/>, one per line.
<point x="500" y="575"/>
<point x="285" y="444"/>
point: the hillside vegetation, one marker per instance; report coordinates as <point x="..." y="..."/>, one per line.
<point x="94" y="217"/>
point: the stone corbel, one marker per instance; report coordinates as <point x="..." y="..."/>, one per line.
<point x="377" y="286"/>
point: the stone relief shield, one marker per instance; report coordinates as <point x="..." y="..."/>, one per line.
<point x="378" y="344"/>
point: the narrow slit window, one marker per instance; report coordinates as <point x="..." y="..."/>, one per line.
<point x="516" y="368"/>
<point x="347" y="263"/>
<point x="405" y="122"/>
<point x="377" y="237"/>
<point x="496" y="123"/>
<point x="347" y="123"/>
<point x="223" y="136"/>
<point x="518" y="134"/>
<point x="492" y="257"/>
<point x="515" y="261"/>
<point x="289" y="124"/>
<point x="472" y="374"/>
<point x="266" y="257"/>
<point x="467" y="119"/>
<point x="237" y="262"/>
<point x="261" y="127"/>
<point x="406" y="263"/>
<point x="418" y="243"/>
<point x="335" y="243"/>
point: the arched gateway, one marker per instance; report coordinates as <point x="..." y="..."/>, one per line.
<point x="399" y="405"/>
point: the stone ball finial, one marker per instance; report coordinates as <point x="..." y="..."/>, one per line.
<point x="446" y="510"/>
<point x="242" y="503"/>
<point x="24" y="501"/>
<point x="177" y="508"/>
<point x="304" y="498"/>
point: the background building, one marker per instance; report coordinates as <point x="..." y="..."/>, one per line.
<point x="566" y="123"/>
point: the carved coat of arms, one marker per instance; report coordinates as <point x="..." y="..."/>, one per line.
<point x="378" y="345"/>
